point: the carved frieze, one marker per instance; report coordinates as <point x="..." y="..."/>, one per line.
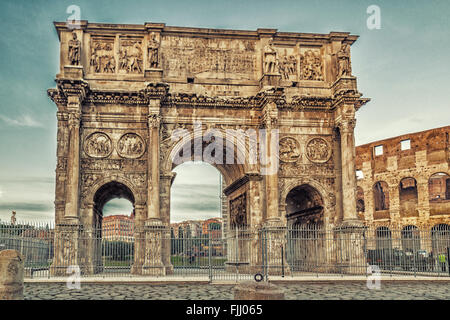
<point x="112" y="164"/>
<point x="289" y="150"/>
<point x="130" y="146"/>
<point x="238" y="211"/>
<point x="287" y="66"/>
<point x="295" y="169"/>
<point x="130" y="57"/>
<point x="208" y="58"/>
<point x="102" y="56"/>
<point x="318" y="150"/>
<point x="311" y="66"/>
<point x="98" y="145"/>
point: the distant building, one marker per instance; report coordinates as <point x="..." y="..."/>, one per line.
<point x="213" y="226"/>
<point x="118" y="228"/>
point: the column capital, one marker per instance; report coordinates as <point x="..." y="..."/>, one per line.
<point x="347" y="125"/>
<point x="154" y="120"/>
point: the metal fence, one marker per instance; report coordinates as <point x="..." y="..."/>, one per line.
<point x="243" y="252"/>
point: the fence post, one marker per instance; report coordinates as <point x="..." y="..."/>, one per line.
<point x="209" y="256"/>
<point x="11" y="275"/>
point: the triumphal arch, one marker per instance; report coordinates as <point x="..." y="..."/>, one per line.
<point x="273" y="111"/>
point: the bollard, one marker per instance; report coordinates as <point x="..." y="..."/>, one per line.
<point x="11" y="275"/>
<point x="257" y="291"/>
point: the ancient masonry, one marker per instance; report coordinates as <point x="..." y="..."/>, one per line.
<point x="123" y="90"/>
<point x="403" y="183"/>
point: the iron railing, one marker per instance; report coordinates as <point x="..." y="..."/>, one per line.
<point x="239" y="253"/>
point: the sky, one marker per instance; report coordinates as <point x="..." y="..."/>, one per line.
<point x="403" y="67"/>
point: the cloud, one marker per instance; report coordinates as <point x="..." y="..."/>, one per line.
<point x="22" y="121"/>
<point x="26" y="206"/>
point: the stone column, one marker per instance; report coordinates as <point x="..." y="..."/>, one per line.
<point x="153" y="164"/>
<point x="73" y="162"/>
<point x="350" y="237"/>
<point x="348" y="156"/>
<point x="11" y="275"/>
<point x="166" y="183"/>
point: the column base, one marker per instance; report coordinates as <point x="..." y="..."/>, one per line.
<point x="350" y="244"/>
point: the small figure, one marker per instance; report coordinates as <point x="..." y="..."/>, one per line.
<point x="13" y="218"/>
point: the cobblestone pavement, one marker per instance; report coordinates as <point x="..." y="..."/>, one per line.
<point x="297" y="291"/>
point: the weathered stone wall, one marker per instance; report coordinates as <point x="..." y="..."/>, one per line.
<point x="416" y="197"/>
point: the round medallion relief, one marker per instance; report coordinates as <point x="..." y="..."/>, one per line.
<point x="318" y="150"/>
<point x="289" y="150"/>
<point x="98" y="145"/>
<point x="131" y="146"/>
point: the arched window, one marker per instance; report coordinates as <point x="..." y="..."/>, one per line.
<point x="381" y="196"/>
<point x="439" y="187"/>
<point x="440" y="238"/>
<point x="408" y="197"/>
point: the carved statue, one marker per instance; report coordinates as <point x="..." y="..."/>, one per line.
<point x="311" y="66"/>
<point x="74" y="50"/>
<point x="270" y="58"/>
<point x="13" y="218"/>
<point x="343" y="56"/>
<point x="153" y="47"/>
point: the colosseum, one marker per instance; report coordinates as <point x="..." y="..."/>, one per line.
<point x="403" y="188"/>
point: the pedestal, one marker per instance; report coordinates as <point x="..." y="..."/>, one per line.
<point x="274" y="248"/>
<point x="73" y="72"/>
<point x="66" y="249"/>
<point x="350" y="246"/>
<point x="153" y="75"/>
<point x="270" y="80"/>
<point x="153" y="237"/>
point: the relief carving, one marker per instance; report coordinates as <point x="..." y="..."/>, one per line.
<point x="130" y="145"/>
<point x="289" y="149"/>
<point x="311" y="66"/>
<point x="287" y="66"/>
<point x="98" y="145"/>
<point x="318" y="150"/>
<point x="208" y="57"/>
<point x="238" y="211"/>
<point x="74" y="50"/>
<point x="102" y="56"/>
<point x="131" y="56"/>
